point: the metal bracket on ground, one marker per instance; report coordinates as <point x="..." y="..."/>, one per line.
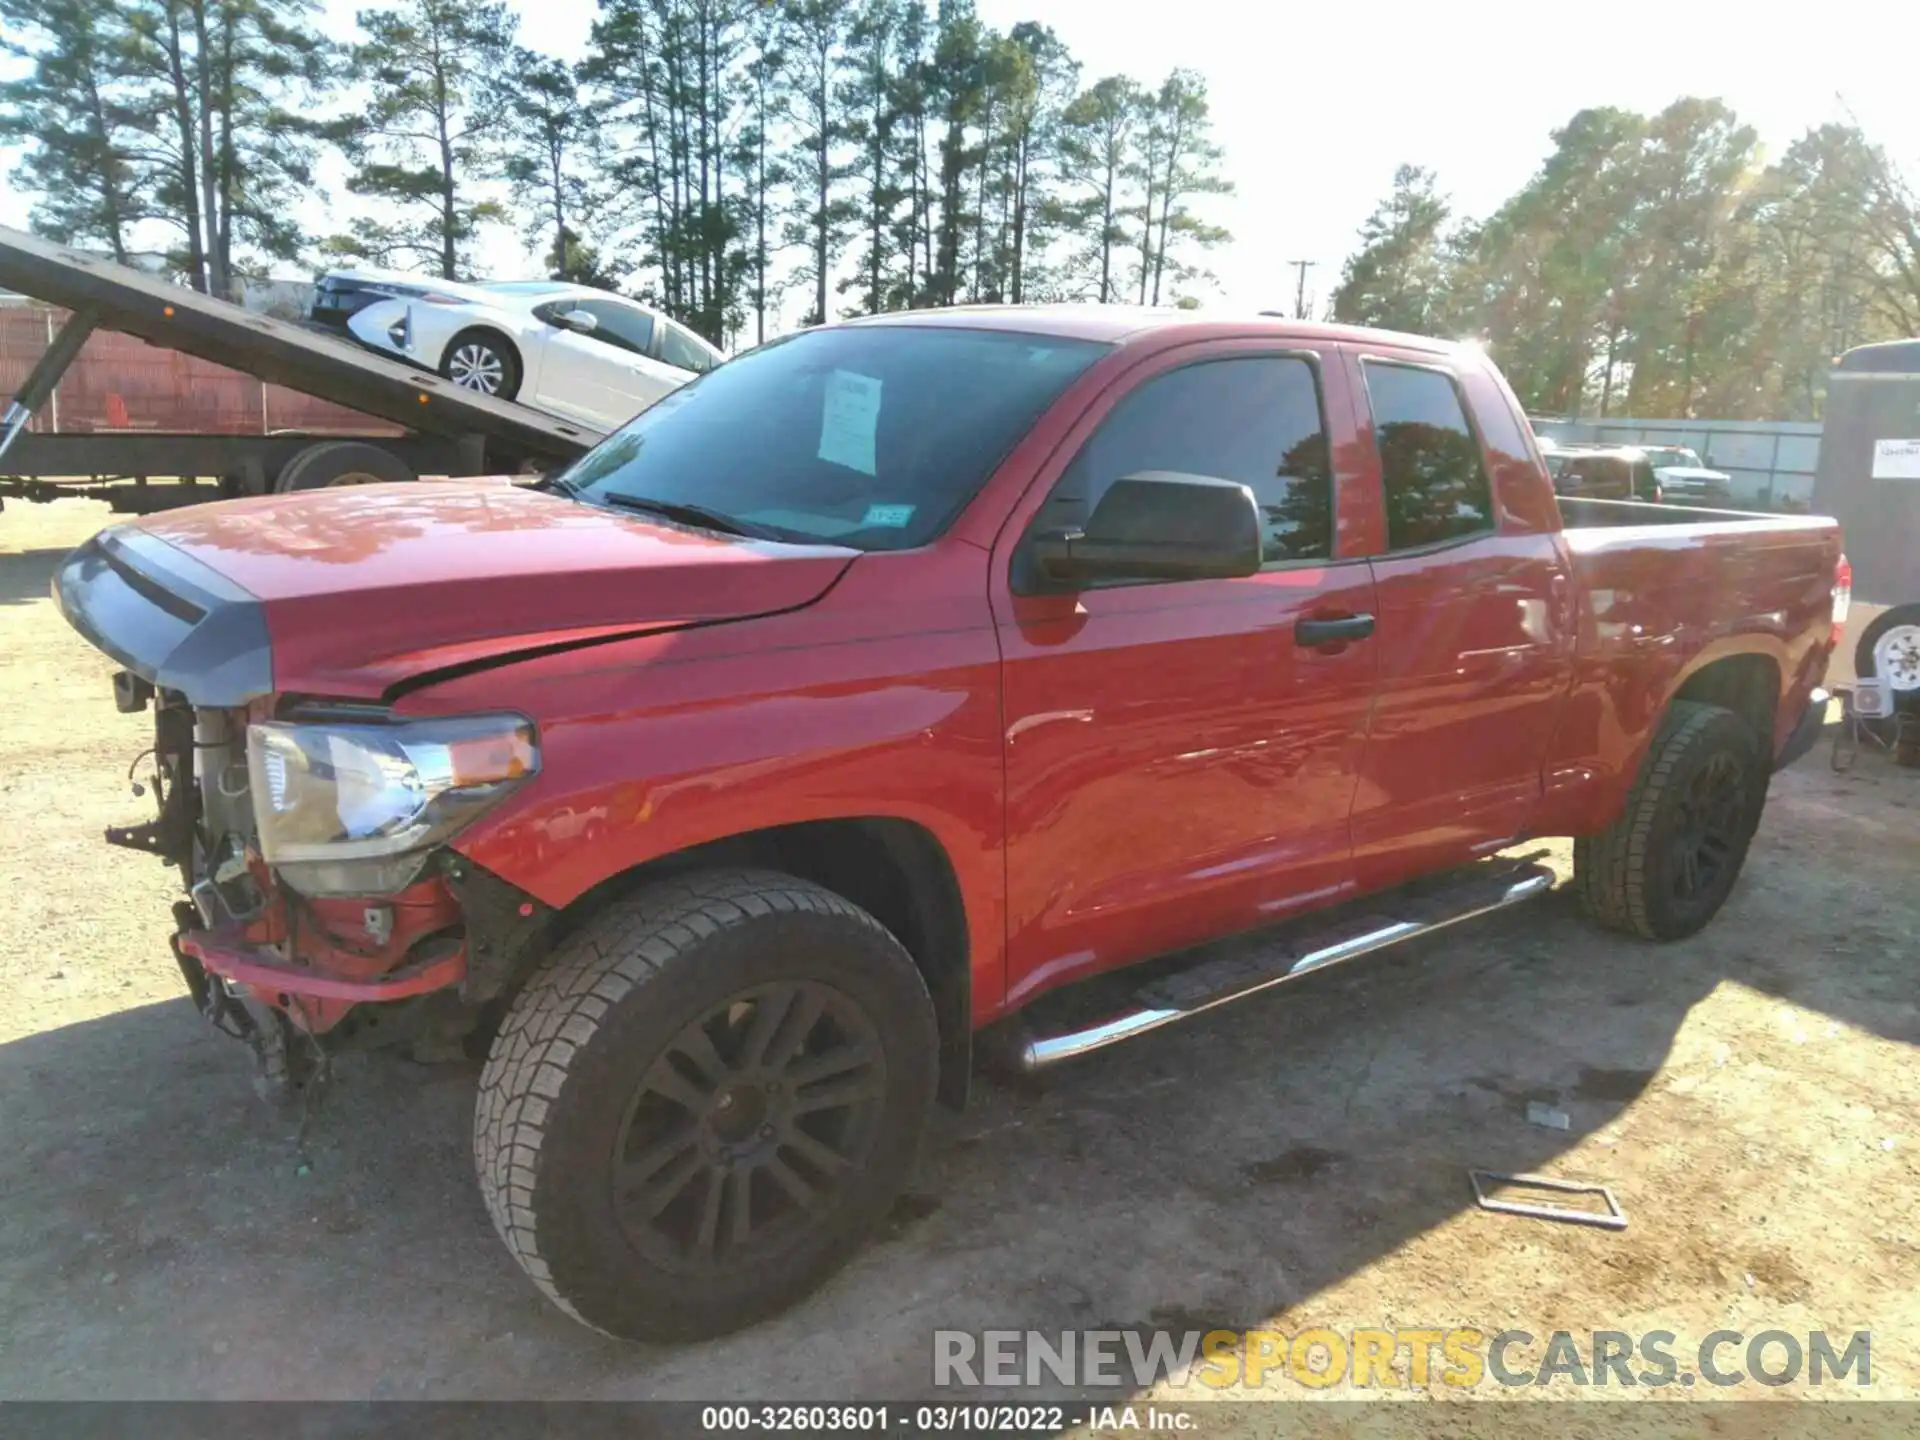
<point x="1613" y="1218"/>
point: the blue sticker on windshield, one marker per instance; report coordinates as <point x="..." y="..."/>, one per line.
<point x="893" y="517"/>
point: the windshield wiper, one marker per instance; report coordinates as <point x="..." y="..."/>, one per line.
<point x="696" y="515"/>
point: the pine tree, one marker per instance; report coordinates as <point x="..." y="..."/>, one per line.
<point x="1176" y="160"/>
<point x="762" y="169"/>
<point x="957" y="96"/>
<point x="546" y="133"/>
<point x="816" y="37"/>
<point x="222" y="85"/>
<point x="1096" y="144"/>
<point x="427" y="133"/>
<point x="71" y="112"/>
<point x="1397" y="279"/>
<point x="1044" y="79"/>
<point x="869" y="95"/>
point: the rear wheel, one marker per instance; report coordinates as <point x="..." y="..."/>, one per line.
<point x="482" y="360"/>
<point x="1889" y="649"/>
<point x="703" y="1103"/>
<point x="1666" y="866"/>
<point x="341" y="462"/>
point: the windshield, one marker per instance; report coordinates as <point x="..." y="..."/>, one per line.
<point x="867" y="437"/>
<point x="1672" y="456"/>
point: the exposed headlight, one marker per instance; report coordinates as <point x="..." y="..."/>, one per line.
<point x="357" y="808"/>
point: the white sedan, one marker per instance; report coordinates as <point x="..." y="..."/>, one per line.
<point x="575" y="352"/>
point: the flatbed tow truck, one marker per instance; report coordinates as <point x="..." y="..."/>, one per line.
<point x="447" y="430"/>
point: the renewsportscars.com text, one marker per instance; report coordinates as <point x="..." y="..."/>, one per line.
<point x="1460" y="1358"/>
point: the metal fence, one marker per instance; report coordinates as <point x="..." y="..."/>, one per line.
<point x="1771" y="462"/>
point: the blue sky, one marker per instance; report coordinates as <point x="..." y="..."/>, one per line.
<point x="1317" y="103"/>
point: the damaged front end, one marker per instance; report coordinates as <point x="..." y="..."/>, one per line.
<point x="325" y="908"/>
<point x="326" y="912"/>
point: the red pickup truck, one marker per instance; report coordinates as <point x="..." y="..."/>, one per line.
<point x="733" y="786"/>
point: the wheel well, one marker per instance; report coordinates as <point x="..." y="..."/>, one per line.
<point x="895" y="870"/>
<point x="1748" y="685"/>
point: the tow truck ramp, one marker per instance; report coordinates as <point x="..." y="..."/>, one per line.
<point x="447" y="430"/>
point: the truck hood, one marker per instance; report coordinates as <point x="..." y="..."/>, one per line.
<point x="347" y="592"/>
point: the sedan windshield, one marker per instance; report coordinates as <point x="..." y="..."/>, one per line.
<point x="868" y="437"/>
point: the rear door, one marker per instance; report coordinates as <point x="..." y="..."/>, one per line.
<point x="1475" y="629"/>
<point x="1179" y="766"/>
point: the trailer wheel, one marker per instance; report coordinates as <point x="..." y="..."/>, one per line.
<point x="1890" y="649"/>
<point x="341" y="462"/>
<point x="703" y="1103"/>
<point x="1666" y="866"/>
<point x="483" y="360"/>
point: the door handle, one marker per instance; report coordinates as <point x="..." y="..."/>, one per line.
<point x="1313" y="633"/>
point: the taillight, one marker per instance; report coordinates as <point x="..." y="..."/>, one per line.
<point x="1842" y="597"/>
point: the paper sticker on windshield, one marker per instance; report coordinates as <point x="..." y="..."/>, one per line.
<point x="892" y="517"/>
<point x="848" y="418"/>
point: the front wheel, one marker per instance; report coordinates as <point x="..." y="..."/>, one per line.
<point x="482" y="360"/>
<point x="704" y="1102"/>
<point x="1666" y="866"/>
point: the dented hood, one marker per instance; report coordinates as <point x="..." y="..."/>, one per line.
<point x="347" y="592"/>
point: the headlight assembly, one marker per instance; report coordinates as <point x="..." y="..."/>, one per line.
<point x="356" y="808"/>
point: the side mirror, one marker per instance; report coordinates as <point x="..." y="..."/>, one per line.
<point x="578" y="321"/>
<point x="1158" y="525"/>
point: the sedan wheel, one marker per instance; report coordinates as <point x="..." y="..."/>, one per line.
<point x="477" y="360"/>
<point x="478" y="367"/>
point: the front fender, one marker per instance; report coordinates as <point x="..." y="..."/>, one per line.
<point x="655" y="745"/>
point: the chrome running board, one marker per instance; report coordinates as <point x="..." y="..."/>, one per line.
<point x="1213" y="983"/>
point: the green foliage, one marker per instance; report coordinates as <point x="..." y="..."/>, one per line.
<point x="181" y="114"/>
<point x="433" y="123"/>
<point x="1656" y="266"/>
<point x="77" y="110"/>
<point x="224" y="87"/>
<point x="1175" y="161"/>
<point x="815" y="40"/>
<point x="1096" y="146"/>
<point x="546" y="136"/>
<point x="1397" y="279"/>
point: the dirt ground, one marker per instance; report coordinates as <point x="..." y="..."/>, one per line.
<point x="1298" y="1160"/>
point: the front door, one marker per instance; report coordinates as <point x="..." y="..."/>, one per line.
<point x="1179" y="764"/>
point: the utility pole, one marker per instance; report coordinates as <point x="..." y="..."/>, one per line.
<point x="1300" y="290"/>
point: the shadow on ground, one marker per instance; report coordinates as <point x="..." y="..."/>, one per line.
<point x="27" y="575"/>
<point x="163" y="1236"/>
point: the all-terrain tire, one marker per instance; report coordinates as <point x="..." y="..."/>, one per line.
<point x="1629" y="876"/>
<point x="606" y="1022"/>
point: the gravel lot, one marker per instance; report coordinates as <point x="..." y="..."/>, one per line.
<point x="1297" y="1160"/>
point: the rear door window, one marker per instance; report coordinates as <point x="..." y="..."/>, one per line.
<point x="1430" y="464"/>
<point x="682" y="351"/>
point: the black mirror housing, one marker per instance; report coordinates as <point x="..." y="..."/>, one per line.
<point x="1158" y="525"/>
